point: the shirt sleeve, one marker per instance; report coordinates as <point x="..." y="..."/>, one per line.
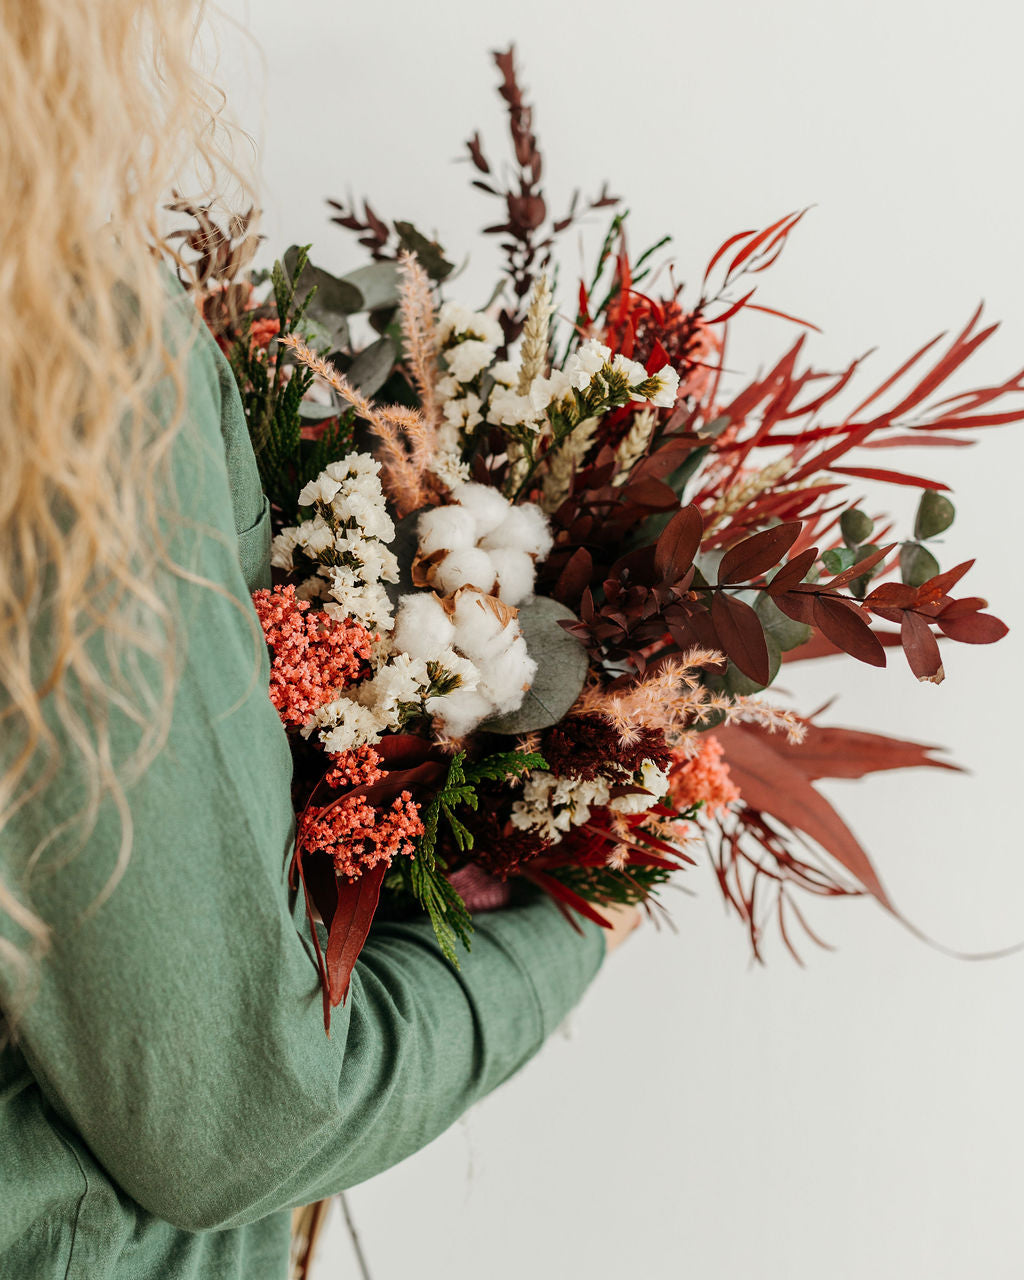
<point x="176" y="1023"/>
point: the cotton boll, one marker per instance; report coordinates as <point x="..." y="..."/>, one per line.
<point x="479" y="632"/>
<point x="515" y="575"/>
<point x="422" y="628"/>
<point x="460" y="711"/>
<point x="488" y="506"/>
<point x="525" y="528"/>
<point x="446" y="529"/>
<point x="468" y="567"/>
<point x="507" y="677"/>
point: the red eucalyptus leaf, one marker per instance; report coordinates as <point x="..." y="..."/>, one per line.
<point x="679" y="543"/>
<point x="793" y="573"/>
<point x="575" y="577"/>
<point x="891" y="595"/>
<point x="357" y="903"/>
<point x="772" y="783"/>
<point x="890" y="477"/>
<point x="729" y="312"/>
<point x="921" y="648"/>
<point x="976" y="628"/>
<point x="756" y="555"/>
<point x="844" y="625"/>
<point x="935" y="588"/>
<point x="959" y="608"/>
<point x="724" y="248"/>
<point x="784" y="315"/>
<point x="650" y="493"/>
<point x="836" y="752"/>
<point x="819" y="646"/>
<point x="562" y="894"/>
<point x="741" y="635"/>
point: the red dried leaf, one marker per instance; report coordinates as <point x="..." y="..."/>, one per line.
<point x="562" y="894"/>
<point x="770" y="782"/>
<point x="679" y="543"/>
<point x="793" y="573"/>
<point x="742" y="636"/>
<point x="729" y="312"/>
<point x="723" y="249"/>
<point x="756" y="555"/>
<point x="889" y="477"/>
<point x="837" y="752"/>
<point x="844" y="625"/>
<point x="891" y="595"/>
<point x="976" y="628"/>
<point x="861" y="567"/>
<point x="783" y="315"/>
<point x="921" y="648"/>
<point x="357" y="903"/>
<point x="575" y="577"/>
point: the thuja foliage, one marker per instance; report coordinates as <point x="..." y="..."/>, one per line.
<point x="273" y="401"/>
<point x="424" y="876"/>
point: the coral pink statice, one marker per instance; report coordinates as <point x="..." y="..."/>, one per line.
<point x="357" y="767"/>
<point x="357" y="836"/>
<point x="702" y="778"/>
<point x="313" y="656"/>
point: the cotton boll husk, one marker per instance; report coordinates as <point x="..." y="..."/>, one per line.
<point x="479" y="632"/>
<point x="515" y="575"/>
<point x="468" y="567"/>
<point x="422" y="628"/>
<point x="507" y="677"/>
<point x="460" y="711"/>
<point x="525" y="528"/>
<point x="446" y="529"/>
<point x="488" y="506"/>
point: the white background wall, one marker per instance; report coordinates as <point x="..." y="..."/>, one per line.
<point x="860" y="1117"/>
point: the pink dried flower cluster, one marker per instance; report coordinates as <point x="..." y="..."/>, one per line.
<point x="702" y="777"/>
<point x="313" y="656"/>
<point x="357" y="767"/>
<point x="263" y="331"/>
<point x="357" y="836"/>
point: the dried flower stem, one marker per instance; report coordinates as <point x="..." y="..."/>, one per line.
<point x="405" y="477"/>
<point x="420" y="332"/>
<point x="745" y="490"/>
<point x="562" y="460"/>
<point x="634" y="444"/>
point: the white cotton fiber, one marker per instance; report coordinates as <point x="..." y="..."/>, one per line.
<point x="422" y="628"/>
<point x="461" y="711"/>
<point x="479" y="632"/>
<point x="446" y="529"/>
<point x="515" y="575"/>
<point x="468" y="567"/>
<point x="507" y="677"/>
<point x="525" y="528"/>
<point x="487" y="505"/>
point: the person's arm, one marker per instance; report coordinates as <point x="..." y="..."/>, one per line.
<point x="177" y="1026"/>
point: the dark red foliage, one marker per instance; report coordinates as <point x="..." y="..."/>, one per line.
<point x="586" y="746"/>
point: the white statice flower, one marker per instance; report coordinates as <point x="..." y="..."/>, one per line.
<point x="505" y="372"/>
<point x="464" y="411"/>
<point x="344" y="724"/>
<point x="282" y="549"/>
<point x="377" y="560"/>
<point x="364" y="602"/>
<point x="322" y="489"/>
<point x="632" y="370"/>
<point x="668" y="387"/>
<point x="551" y="806"/>
<point x="653" y="780"/>
<point x="586" y="361"/>
<point x="311" y="588"/>
<point x="448" y="386"/>
<point x="401" y="681"/>
<point x="354" y="464"/>
<point x="550" y="391"/>
<point x="469" y="359"/>
<point x="507" y="408"/>
<point x="447" y="463"/>
<point x="454" y="320"/>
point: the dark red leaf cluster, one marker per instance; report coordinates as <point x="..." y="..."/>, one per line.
<point x="587" y="746"/>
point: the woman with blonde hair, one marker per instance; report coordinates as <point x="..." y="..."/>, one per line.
<point x="167" y="1093"/>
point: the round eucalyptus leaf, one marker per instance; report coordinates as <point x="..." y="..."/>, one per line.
<point x="935" y="514"/>
<point x="784" y="631"/>
<point x="855" y="527"/>
<point x="562" y="664"/>
<point x="378" y="283"/>
<point x="372" y="367"/>
<point x="404" y="546"/>
<point x="917" y="564"/>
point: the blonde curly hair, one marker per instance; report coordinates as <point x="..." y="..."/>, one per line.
<point x="104" y="110"/>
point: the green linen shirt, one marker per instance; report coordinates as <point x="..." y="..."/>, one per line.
<point x="170" y="1094"/>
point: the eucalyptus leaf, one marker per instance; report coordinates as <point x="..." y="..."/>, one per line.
<point x="935" y="514"/>
<point x="310" y="412"/>
<point x="917" y="564"/>
<point x="859" y="586"/>
<point x="333" y="296"/>
<point x="784" y="631"/>
<point x="378" y="283"/>
<point x="404" y="547"/>
<point x="856" y="527"/>
<point x="429" y="252"/>
<point x="839" y="559"/>
<point x="372" y="367"/>
<point x="561" y="669"/>
<point x="735" y="682"/>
